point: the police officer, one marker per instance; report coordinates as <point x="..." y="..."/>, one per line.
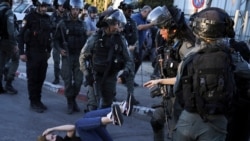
<point x="103" y="56"/>
<point x="205" y="103"/>
<point x="131" y="36"/>
<point x="91" y="20"/>
<point x="36" y="35"/>
<point x="7" y="37"/>
<point x="57" y="16"/>
<point x="70" y="37"/>
<point x="172" y="26"/>
<point x="239" y="115"/>
<point x="8" y="44"/>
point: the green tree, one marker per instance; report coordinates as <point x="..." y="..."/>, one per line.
<point x="155" y="3"/>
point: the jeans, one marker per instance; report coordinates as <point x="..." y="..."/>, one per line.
<point x="90" y="127"/>
<point x="191" y="127"/>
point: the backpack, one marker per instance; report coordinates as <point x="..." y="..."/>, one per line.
<point x="209" y="83"/>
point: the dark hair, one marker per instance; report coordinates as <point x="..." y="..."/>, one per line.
<point x="59" y="138"/>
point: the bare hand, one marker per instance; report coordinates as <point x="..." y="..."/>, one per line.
<point x="63" y="52"/>
<point x="131" y="48"/>
<point x="119" y="80"/>
<point x="47" y="131"/>
<point x="150" y="84"/>
<point x="23" y="58"/>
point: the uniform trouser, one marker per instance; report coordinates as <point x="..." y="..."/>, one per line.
<point x="130" y="83"/>
<point x="3" y="58"/>
<point x="93" y="99"/>
<point x="36" y="68"/>
<point x="159" y="118"/>
<point x="102" y="94"/>
<point x="138" y="60"/>
<point x="191" y="127"/>
<point x="130" y="78"/>
<point x="56" y="59"/>
<point x="239" y="122"/>
<point x="12" y="65"/>
<point x="157" y="123"/>
<point x="72" y="75"/>
<point x="90" y="128"/>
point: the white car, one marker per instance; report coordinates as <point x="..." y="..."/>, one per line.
<point x="21" y="9"/>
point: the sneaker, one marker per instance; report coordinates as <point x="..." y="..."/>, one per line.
<point x="10" y="89"/>
<point x="117" y="115"/>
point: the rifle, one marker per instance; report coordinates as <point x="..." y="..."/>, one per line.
<point x="164" y="90"/>
<point x="92" y="81"/>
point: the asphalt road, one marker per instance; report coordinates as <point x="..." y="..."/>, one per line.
<point x="19" y="123"/>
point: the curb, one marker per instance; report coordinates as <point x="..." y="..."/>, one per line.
<point x="58" y="89"/>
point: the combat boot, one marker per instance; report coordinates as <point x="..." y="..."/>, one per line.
<point x="75" y="107"/>
<point x="56" y="81"/>
<point x="56" y="73"/>
<point x="2" y="90"/>
<point x="9" y="88"/>
<point x="70" y="102"/>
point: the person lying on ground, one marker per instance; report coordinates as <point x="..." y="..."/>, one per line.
<point x="91" y="127"/>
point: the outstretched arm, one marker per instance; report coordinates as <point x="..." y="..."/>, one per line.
<point x="166" y="81"/>
<point x="69" y="128"/>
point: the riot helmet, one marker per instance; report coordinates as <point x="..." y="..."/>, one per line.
<point x="56" y="3"/>
<point x="124" y="5"/>
<point x="92" y="9"/>
<point x="43" y="3"/>
<point x="111" y="17"/>
<point x="212" y="23"/>
<point x="76" y="4"/>
<point x="163" y="17"/>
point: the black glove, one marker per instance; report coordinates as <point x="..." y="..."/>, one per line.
<point x="136" y="56"/>
<point x="89" y="80"/>
<point x="123" y="76"/>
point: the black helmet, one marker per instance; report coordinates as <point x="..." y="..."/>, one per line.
<point x="127" y="4"/>
<point x="212" y="23"/>
<point x="166" y="17"/>
<point x="92" y="9"/>
<point x="41" y="2"/>
<point x="76" y="4"/>
<point x="111" y="17"/>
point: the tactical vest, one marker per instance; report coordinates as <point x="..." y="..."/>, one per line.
<point x="130" y="31"/>
<point x="107" y="54"/>
<point x="171" y="60"/>
<point x="75" y="35"/>
<point x="39" y="29"/>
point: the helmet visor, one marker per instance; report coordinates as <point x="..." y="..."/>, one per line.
<point x="76" y="4"/>
<point x="118" y="16"/>
<point x="160" y="16"/>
